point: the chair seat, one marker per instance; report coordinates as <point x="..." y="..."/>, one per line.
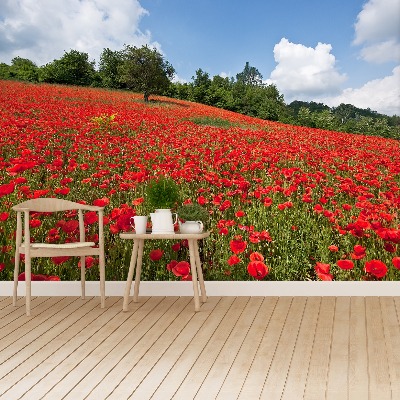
<point x="73" y="245"/>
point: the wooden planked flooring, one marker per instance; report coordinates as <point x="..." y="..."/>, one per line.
<point x="248" y="348"/>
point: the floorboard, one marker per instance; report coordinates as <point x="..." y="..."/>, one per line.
<point x="287" y="348"/>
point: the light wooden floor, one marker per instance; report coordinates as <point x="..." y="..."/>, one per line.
<point x="234" y="348"/>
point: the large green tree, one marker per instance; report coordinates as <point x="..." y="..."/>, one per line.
<point x="23" y="69"/>
<point x="110" y="62"/>
<point x="73" y="68"/>
<point x="145" y="70"/>
<point x="249" y="76"/>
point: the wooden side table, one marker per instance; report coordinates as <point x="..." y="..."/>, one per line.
<point x="137" y="257"/>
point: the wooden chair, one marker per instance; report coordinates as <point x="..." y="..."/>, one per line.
<point x="80" y="249"/>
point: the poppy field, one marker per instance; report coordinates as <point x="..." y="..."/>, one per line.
<point x="284" y="202"/>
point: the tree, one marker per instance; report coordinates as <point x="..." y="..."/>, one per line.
<point x="5" y="71"/>
<point x="73" y="68"/>
<point x="110" y="62"/>
<point x="249" y="76"/>
<point x="200" y="86"/>
<point x="145" y="70"/>
<point x="24" y="70"/>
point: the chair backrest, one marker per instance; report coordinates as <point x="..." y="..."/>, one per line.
<point x="53" y="205"/>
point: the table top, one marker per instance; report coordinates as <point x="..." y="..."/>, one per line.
<point x="154" y="236"/>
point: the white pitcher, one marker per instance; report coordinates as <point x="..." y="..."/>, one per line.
<point x="162" y="221"/>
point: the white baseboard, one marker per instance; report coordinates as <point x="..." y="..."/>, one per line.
<point x="213" y="288"/>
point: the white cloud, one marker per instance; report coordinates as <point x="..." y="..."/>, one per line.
<point x="303" y="73"/>
<point x="377" y="29"/>
<point x="42" y="30"/>
<point x="380" y="95"/>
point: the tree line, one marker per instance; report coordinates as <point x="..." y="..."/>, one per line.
<point x="146" y="71"/>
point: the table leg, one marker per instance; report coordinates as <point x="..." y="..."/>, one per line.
<point x="130" y="274"/>
<point x="200" y="272"/>
<point x="138" y="271"/>
<point x="194" y="274"/>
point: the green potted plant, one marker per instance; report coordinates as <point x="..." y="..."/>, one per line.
<point x="163" y="194"/>
<point x="192" y="218"/>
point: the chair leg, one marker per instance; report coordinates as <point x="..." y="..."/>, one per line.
<point x="16" y="273"/>
<point x="102" y="281"/>
<point x="28" y="285"/>
<point x="83" y="276"/>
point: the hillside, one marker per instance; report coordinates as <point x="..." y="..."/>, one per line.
<point x="297" y="200"/>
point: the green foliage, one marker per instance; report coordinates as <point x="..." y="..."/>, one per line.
<point x="249" y="76"/>
<point x="211" y="121"/>
<point x="24" y="70"/>
<point x="5" y="72"/>
<point x="193" y="212"/>
<point x="162" y="192"/>
<point x="74" y="68"/>
<point x="344" y="118"/>
<point x="145" y="70"/>
<point x="110" y="62"/>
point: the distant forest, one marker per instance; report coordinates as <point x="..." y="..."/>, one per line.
<point x="144" y="70"/>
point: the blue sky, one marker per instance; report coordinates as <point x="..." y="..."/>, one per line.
<point x="333" y="51"/>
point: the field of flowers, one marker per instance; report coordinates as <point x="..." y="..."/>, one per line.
<point x="285" y="202"/>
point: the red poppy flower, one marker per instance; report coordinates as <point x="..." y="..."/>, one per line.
<point x="257" y="269"/>
<point x="6" y="189"/>
<point x="238" y="245"/>
<point x="137" y="201"/>
<point x="345" y="264"/>
<point x="396" y="262"/>
<point x="40" y="193"/>
<point x="225" y="205"/>
<point x="182" y="268"/>
<point x="61" y="259"/>
<point x="333" y="248"/>
<point x="376" y="268"/>
<point x="186" y="277"/>
<point x="2" y="266"/>
<point x="264" y="235"/>
<point x="267" y="202"/>
<point x="63" y="191"/>
<point x="322" y="268"/>
<point x="70" y="226"/>
<point x="233" y="260"/>
<point x="240" y="213"/>
<point x="38" y="277"/>
<point x="322" y="271"/>
<point x="89" y="262"/>
<point x="53" y="278"/>
<point x="91" y="217"/>
<point x="359" y="252"/>
<point x="4" y="216"/>
<point x="171" y="265"/>
<point x="391" y="248"/>
<point x="202" y="200"/>
<point x="101" y="202"/>
<point x="124" y="221"/>
<point x="156" y="254"/>
<point x="256" y="256"/>
<point x="325" y="277"/>
<point x="318" y="208"/>
<point x="34" y="223"/>
<point x="176" y="246"/>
